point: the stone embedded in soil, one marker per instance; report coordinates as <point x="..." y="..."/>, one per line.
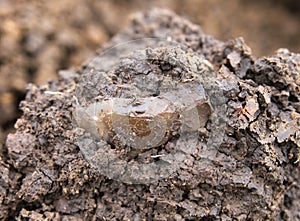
<point x="254" y="174"/>
<point x="151" y="113"/>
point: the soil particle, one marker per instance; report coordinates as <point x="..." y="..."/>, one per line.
<point x="252" y="175"/>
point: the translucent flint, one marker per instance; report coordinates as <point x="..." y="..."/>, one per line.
<point x="146" y="122"/>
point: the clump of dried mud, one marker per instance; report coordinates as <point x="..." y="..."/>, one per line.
<point x="254" y="176"/>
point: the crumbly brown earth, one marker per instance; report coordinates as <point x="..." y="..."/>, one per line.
<point x="39" y="38"/>
<point x="255" y="175"/>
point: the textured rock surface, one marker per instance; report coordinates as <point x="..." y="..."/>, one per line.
<point x="255" y="175"/>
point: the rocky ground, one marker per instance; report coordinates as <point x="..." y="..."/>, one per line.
<point x="253" y="174"/>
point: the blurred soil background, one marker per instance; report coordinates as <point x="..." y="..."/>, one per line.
<point x="39" y="38"/>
